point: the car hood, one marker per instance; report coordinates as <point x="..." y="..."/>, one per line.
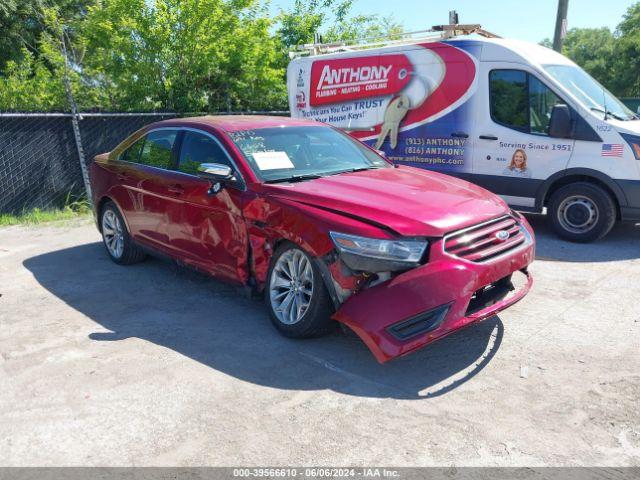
<point x="409" y="201"/>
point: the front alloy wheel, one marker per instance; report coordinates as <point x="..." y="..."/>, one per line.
<point x="291" y="286"/>
<point x="296" y="296"/>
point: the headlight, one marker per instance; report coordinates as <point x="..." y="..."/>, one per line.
<point x="377" y="255"/>
<point x="634" y="143"/>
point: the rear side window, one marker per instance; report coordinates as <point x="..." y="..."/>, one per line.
<point x="157" y="148"/>
<point x="520" y="101"/>
<point x="132" y="154"/>
<point x="198" y="148"/>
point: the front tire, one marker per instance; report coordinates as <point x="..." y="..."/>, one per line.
<point x="582" y="212"/>
<point x="298" y="301"/>
<point x="115" y="236"/>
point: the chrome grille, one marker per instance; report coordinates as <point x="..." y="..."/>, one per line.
<point x="486" y="240"/>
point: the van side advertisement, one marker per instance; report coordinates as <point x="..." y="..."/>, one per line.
<point x="406" y="101"/>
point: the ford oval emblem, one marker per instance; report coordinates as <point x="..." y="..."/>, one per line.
<point x="502" y="235"/>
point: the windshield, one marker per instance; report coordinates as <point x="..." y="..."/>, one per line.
<point x="299" y="153"/>
<point x="588" y="91"/>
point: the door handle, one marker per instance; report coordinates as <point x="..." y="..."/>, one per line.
<point x="488" y="137"/>
<point x="176" y="189"/>
<point x="460" y="135"/>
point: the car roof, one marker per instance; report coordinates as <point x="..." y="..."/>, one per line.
<point x="234" y="123"/>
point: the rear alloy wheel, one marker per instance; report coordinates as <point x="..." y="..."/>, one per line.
<point x="296" y="296"/>
<point x="582" y="212"/>
<point x="121" y="249"/>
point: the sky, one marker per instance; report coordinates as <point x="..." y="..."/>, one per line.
<point x="531" y="20"/>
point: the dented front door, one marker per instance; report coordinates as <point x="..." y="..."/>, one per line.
<point x="207" y="229"/>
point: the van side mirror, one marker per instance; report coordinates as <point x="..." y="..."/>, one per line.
<point x="217" y="173"/>
<point x="560" y="122"/>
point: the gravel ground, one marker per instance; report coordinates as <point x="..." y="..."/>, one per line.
<point x="157" y="365"/>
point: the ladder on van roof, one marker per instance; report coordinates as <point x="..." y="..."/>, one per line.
<point x="434" y="34"/>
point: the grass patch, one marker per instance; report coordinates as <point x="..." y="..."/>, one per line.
<point x="72" y="209"/>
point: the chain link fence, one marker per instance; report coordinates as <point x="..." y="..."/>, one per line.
<point x="39" y="155"/>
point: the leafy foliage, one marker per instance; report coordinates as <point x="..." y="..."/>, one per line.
<point x="627" y="54"/>
<point x="176" y="55"/>
<point x="182" y="55"/>
<point x="370" y="27"/>
<point x="21" y="24"/>
<point x="27" y="83"/>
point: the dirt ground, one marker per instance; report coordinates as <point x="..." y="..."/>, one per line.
<point x="156" y="365"/>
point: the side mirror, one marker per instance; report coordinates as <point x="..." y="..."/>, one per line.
<point x="216" y="173"/>
<point x="560" y="122"/>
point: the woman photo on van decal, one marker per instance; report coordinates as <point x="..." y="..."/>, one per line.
<point x="518" y="165"/>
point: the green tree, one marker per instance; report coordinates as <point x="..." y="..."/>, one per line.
<point x="183" y="55"/>
<point x="593" y="50"/>
<point x="21" y="25"/>
<point x="299" y="25"/>
<point x="627" y="54"/>
<point x="28" y="84"/>
<point x="44" y="79"/>
<point x="370" y="27"/>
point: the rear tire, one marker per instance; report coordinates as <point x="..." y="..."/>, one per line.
<point x="581" y="212"/>
<point x="115" y="236"/>
<point x="297" y="299"/>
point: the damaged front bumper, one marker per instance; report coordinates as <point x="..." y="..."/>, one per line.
<point x="414" y="308"/>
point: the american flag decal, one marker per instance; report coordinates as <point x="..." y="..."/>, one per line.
<point x="612" y="149"/>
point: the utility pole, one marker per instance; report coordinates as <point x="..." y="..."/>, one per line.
<point x="561" y="25"/>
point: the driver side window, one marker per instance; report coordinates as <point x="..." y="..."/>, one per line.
<point x="520" y="101"/>
<point x="197" y="149"/>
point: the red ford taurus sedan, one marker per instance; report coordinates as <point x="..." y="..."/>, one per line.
<point x="321" y="224"/>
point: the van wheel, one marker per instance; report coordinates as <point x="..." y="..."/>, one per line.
<point x="582" y="212"/>
<point x="296" y="296"/>
<point x="120" y="247"/>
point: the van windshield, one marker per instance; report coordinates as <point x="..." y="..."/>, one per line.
<point x="589" y="92"/>
<point x="288" y="154"/>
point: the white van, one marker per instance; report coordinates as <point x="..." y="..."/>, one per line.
<point x="514" y="117"/>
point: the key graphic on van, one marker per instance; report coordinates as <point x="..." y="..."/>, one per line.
<point x="393" y="115"/>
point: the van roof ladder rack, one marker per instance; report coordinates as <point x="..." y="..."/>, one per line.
<point x="434" y="34"/>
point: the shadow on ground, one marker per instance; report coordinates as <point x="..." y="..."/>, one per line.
<point x="622" y="243"/>
<point x="216" y="325"/>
